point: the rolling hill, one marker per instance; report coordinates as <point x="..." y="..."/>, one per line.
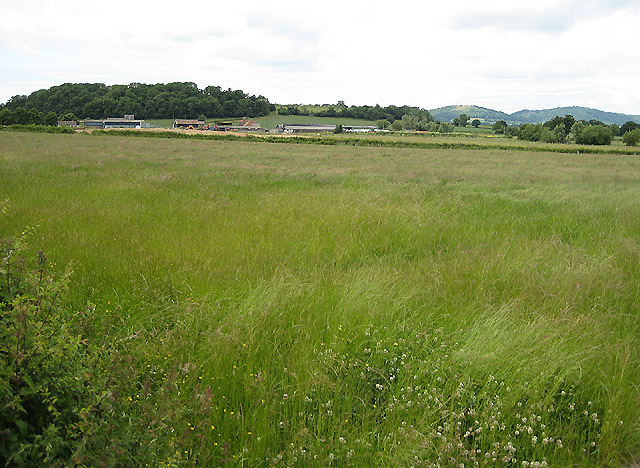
<point x="532" y="116"/>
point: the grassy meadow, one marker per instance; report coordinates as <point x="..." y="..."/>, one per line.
<point x="304" y="305"/>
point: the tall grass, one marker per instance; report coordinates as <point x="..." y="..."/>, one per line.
<point x="296" y="305"/>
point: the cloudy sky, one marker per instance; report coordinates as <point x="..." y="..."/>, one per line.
<point x="502" y="54"/>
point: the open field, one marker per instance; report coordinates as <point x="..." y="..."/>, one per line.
<point x="307" y="305"/>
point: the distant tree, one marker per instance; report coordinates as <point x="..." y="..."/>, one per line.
<point x="409" y="121"/>
<point x="499" y="127"/>
<point x="615" y="129"/>
<point x="464" y="120"/>
<point x="397" y="125"/>
<point x="383" y="124"/>
<point x="338" y="129"/>
<point x="628" y="126"/>
<point x="548" y="136"/>
<point x="475" y="123"/>
<point x="433" y="126"/>
<point x="21" y="116"/>
<point x="6" y="116"/>
<point x="561" y="126"/>
<point x="423" y="125"/>
<point x="51" y="119"/>
<point x="531" y="132"/>
<point x="456" y="122"/>
<point x="576" y="130"/>
<point x="69" y="116"/>
<point x="595" y="135"/>
<point x="512" y="132"/>
<point x="560" y="133"/>
<point x="569" y="120"/>
<point x="553" y="123"/>
<point x="445" y="127"/>
<point x="632" y="137"/>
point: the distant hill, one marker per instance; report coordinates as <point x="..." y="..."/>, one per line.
<point x="531" y="116"/>
<point x="580" y="113"/>
<point x="448" y="113"/>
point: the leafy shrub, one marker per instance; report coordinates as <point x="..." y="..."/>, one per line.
<point x="531" y="132"/>
<point x="632" y="138"/>
<point x="595" y="135"/>
<point x="72" y="396"/>
<point x="47" y="388"/>
<point x="37" y="129"/>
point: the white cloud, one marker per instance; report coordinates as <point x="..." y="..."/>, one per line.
<point x="505" y="54"/>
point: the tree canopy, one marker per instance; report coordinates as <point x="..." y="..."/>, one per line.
<point x="158" y="101"/>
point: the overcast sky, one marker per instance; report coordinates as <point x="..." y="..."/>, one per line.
<point x="502" y="54"/>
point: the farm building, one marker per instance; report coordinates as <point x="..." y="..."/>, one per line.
<point x="358" y="128"/>
<point x="94" y="123"/>
<point x="305" y="128"/>
<point x="238" y="128"/>
<point x="127" y="122"/>
<point x="67" y="123"/>
<point x="188" y="123"/>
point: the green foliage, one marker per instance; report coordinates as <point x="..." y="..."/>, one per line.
<point x="445" y="127"/>
<point x="27" y="117"/>
<point x="371" y="113"/>
<point x="475" y="123"/>
<point x="338" y="129"/>
<point x="615" y="129"/>
<point x="531" y="132"/>
<point x="37" y="129"/>
<point x="409" y="121"/>
<point x="69" y="116"/>
<point x="397" y="125"/>
<point x="463" y="119"/>
<point x="47" y="390"/>
<point x="561" y="126"/>
<point x="51" y="119"/>
<point x="594" y="135"/>
<point x="576" y="129"/>
<point x="512" y="132"/>
<point x="383" y="124"/>
<point x="6" y="116"/>
<point x="628" y="126"/>
<point x="632" y="137"/>
<point x="69" y="395"/>
<point x="171" y="100"/>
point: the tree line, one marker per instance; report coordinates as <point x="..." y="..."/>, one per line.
<point x="341" y="110"/>
<point x="157" y="101"/>
<point x="568" y="129"/>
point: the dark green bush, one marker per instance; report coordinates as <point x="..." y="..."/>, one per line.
<point x="48" y="390"/>
<point x="632" y="137"/>
<point x="71" y="395"/>
<point x="37" y="129"/>
<point x="595" y="135"/>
